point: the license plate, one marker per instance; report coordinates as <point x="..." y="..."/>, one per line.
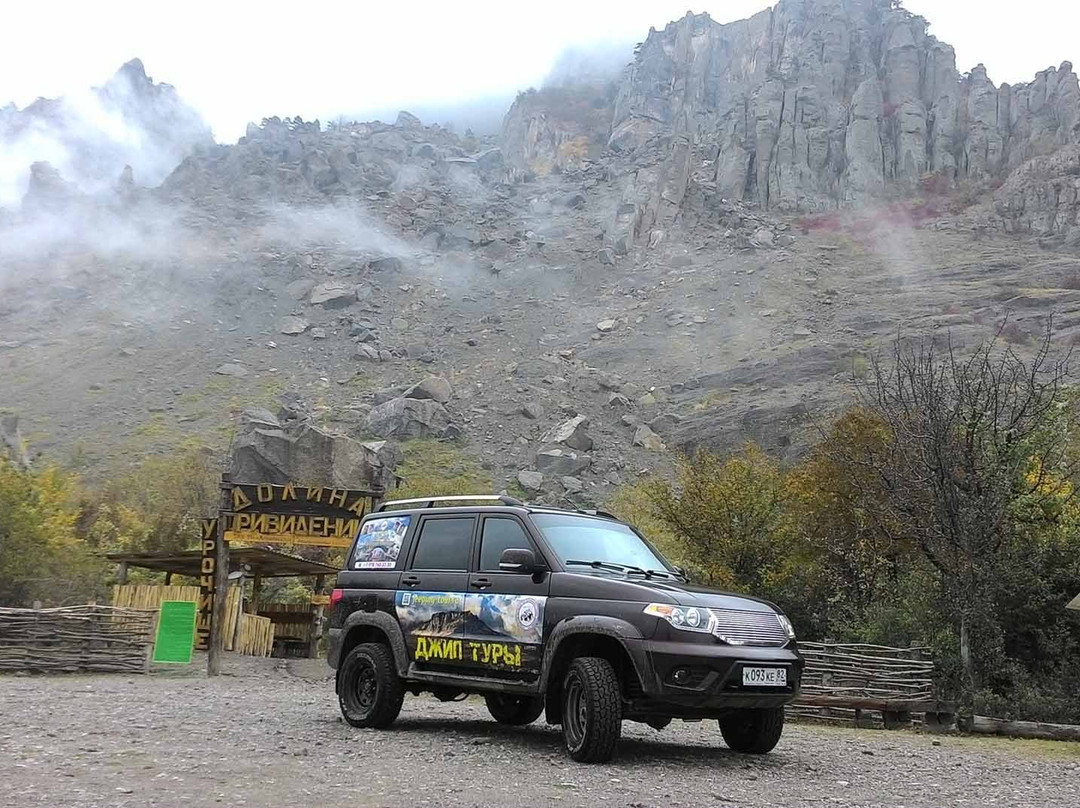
<point x="764" y="677"/>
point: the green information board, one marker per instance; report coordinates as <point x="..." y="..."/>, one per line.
<point x="175" y="631"/>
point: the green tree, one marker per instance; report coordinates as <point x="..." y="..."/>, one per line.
<point x="727" y="513"/>
<point x="41" y="556"/>
<point x="966" y="438"/>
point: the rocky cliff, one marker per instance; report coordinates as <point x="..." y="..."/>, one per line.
<point x="807" y="106"/>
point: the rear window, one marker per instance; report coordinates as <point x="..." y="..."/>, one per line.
<point x="444" y="544"/>
<point x="379" y="543"/>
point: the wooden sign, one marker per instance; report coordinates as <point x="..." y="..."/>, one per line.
<point x="297" y="514"/>
<point x="204" y="617"/>
<point x="320" y="600"/>
<point x="1074" y="604"/>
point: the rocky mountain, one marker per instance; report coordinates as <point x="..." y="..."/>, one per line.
<point x="460" y="624"/>
<point x="807" y="106"/>
<point x="89" y="139"/>
<point x="700" y="250"/>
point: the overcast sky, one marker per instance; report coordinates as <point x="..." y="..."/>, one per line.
<point x="241" y="61"/>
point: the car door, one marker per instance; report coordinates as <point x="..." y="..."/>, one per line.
<point x="504" y="611"/>
<point x="431" y="594"/>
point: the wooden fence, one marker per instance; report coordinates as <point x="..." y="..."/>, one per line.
<point x="245" y="633"/>
<point x="76" y="638"/>
<point x="870" y="684"/>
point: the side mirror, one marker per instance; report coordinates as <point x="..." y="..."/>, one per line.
<point x="518" y="560"/>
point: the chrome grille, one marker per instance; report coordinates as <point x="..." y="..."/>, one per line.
<point x="738" y="627"/>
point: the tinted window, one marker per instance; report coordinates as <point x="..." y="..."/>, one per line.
<point x="500" y="534"/>
<point x="444" y="544"/>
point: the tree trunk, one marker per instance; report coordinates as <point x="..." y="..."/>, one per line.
<point x="967" y="699"/>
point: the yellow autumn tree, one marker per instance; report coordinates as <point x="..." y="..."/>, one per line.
<point x="727" y="515"/>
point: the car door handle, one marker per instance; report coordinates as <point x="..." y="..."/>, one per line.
<point x="480" y="583"/>
<point x="410" y="580"/>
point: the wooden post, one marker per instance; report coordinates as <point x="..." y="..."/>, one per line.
<point x="221" y="581"/>
<point x="316" y="620"/>
<point x="168" y="579"/>
<point x="256" y="588"/>
<point x="121" y="575"/>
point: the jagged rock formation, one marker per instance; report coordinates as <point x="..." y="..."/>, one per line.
<point x="1042" y="197"/>
<point x="296" y="160"/>
<point x="807" y="106"/>
<point x="815" y="103"/>
<point x="150" y="130"/>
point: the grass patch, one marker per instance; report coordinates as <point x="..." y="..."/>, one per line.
<point x="439" y="468"/>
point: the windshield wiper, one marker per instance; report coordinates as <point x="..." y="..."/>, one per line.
<point x="611" y="565"/>
<point x="666" y="574"/>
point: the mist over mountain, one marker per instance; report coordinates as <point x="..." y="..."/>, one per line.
<point x="90" y="137"/>
<point x="691" y="241"/>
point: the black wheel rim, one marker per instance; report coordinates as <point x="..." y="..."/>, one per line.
<point x="366" y="688"/>
<point x="575" y="713"/>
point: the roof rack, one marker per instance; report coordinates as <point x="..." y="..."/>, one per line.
<point x="586" y="511"/>
<point x="429" y="502"/>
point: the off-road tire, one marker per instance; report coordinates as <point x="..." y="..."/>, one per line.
<point x="370" y="692"/>
<point x="753" y="731"/>
<point x="591" y="710"/>
<point x="515" y="711"/>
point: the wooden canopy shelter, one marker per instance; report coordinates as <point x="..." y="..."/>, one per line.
<point x="254" y="561"/>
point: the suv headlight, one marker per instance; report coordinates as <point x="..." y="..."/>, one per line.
<point x="687" y="618"/>
<point x="788" y="628"/>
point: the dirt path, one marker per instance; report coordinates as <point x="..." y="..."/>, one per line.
<point x="269" y="735"/>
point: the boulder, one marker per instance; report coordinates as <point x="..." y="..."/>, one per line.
<point x="572" y="484"/>
<point x="532" y="410"/>
<point x="763" y="237"/>
<point x="292" y="325"/>
<point x="435" y="388"/>
<point x="606" y="256"/>
<point x="302" y="453"/>
<point x="648" y="439"/>
<point x="562" y="462"/>
<point x="665" y="422"/>
<point x="300" y="289"/>
<point x="570" y="433"/>
<point x="410" y="418"/>
<point x="606" y="326"/>
<point x="333" y="295"/>
<point x="531" y="481"/>
<point x="387" y="394"/>
<point x="367" y="353"/>
<point x="231" y="369"/>
<point x="387" y="264"/>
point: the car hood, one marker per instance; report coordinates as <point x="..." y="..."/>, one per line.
<point x="663" y="590"/>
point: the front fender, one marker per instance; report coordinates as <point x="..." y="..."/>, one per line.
<point x="380" y="620"/>
<point x="628" y="636"/>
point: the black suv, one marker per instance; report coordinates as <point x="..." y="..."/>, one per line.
<point x="543" y="610"/>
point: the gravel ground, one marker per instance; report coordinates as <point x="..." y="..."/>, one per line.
<point x="268" y="734"/>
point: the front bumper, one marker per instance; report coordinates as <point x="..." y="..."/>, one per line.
<point x="712" y="676"/>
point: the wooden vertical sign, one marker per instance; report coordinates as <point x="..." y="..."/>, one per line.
<point x="205" y="616"/>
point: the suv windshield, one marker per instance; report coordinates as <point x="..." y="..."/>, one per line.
<point x="583" y="538"/>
